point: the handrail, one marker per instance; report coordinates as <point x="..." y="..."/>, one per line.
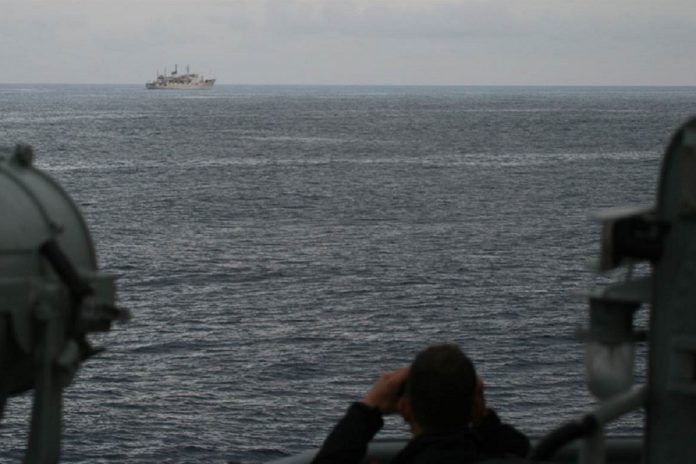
<point x="619" y="449"/>
<point x="589" y="423"/>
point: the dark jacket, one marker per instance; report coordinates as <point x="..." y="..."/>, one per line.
<point x="454" y="447"/>
<point x="347" y="443"/>
<point x="501" y="440"/>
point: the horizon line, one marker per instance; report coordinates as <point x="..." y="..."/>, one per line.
<point x="363" y="85"/>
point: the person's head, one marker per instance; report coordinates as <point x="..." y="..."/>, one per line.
<point x="440" y="389"/>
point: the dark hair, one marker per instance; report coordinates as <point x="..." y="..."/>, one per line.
<point x="441" y="387"/>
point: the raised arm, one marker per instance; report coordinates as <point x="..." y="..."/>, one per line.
<point x="347" y="442"/>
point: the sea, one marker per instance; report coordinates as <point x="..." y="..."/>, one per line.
<point x="280" y="247"/>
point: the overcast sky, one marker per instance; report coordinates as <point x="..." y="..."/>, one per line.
<point x="453" y="42"/>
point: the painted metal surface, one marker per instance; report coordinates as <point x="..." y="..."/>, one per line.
<point x="671" y="418"/>
<point x="52" y="296"/>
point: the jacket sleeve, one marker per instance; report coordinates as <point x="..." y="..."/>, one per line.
<point x="347" y="442"/>
<point x="499" y="439"/>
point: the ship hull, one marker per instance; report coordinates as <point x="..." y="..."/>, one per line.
<point x="205" y="85"/>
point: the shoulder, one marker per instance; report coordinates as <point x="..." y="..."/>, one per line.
<point x="500" y="439"/>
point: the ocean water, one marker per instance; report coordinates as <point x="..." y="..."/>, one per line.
<point x="279" y="247"/>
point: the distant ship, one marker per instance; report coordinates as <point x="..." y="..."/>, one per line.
<point x="176" y="81"/>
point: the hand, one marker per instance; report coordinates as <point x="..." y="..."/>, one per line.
<point x="384" y="395"/>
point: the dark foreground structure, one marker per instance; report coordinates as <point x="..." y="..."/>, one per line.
<point x="52" y="296"/>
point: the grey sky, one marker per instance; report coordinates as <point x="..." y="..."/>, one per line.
<point x="484" y="42"/>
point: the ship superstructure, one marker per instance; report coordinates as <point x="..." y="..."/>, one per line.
<point x="176" y="81"/>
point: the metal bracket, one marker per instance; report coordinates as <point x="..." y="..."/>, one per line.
<point x="631" y="235"/>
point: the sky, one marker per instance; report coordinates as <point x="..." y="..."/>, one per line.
<point x="360" y="42"/>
